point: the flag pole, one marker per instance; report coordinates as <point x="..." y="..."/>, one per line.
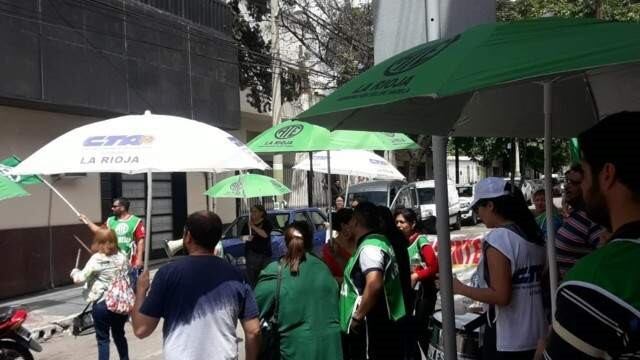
<point x="61" y="197"/>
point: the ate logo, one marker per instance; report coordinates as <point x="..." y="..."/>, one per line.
<point x="121" y="229"/>
<point x="288" y="132"/>
<point x="4" y="171"/>
<point x="236" y="188"/>
<point x="418" y="57"/>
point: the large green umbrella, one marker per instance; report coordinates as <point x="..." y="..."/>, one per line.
<point x="10" y="189"/>
<point x="498" y="79"/>
<point x="247" y="186"/>
<point x="486" y="81"/>
<point x="369" y="140"/>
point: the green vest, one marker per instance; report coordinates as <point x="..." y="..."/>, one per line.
<point x="124" y="230"/>
<point x="349" y="297"/>
<point x="415" y="257"/>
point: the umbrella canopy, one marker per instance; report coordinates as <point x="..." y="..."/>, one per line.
<point x="369" y="140"/>
<point x="142" y="143"/>
<point x="247" y="186"/>
<point x="10" y="189"/>
<point x="299" y="136"/>
<point x="485" y="81"/>
<point x="291" y="136"/>
<point x="353" y="163"/>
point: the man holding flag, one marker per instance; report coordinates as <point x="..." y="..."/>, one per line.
<point x="129" y="230"/>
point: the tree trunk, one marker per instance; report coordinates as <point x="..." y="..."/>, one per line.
<point x="418" y="156"/>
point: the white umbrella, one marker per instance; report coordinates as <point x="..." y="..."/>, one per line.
<point x="352" y="163"/>
<point x="146" y="143"/>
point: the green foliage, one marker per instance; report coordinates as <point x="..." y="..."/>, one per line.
<point x="621" y="10"/>
<point x="254" y="55"/>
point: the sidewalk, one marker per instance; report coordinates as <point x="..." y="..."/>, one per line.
<point x="52" y="312"/>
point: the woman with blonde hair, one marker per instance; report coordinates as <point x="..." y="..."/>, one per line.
<point x="307" y="300"/>
<point x="101" y="270"/>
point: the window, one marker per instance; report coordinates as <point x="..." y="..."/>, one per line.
<point x="465" y="191"/>
<point x="317" y="220"/>
<point x="426" y="195"/>
<point x="279" y="221"/>
<point x="299" y="216"/>
<point x="236" y="228"/>
<point x="376" y="197"/>
<point x="404" y="199"/>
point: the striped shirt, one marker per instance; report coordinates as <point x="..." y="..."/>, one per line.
<point x="598" y="306"/>
<point x="578" y="236"/>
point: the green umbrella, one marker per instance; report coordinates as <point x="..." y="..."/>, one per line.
<point x="291" y="136"/>
<point x="369" y="140"/>
<point x="247" y="186"/>
<point x="486" y="81"/>
<point x="10" y="189"/>
<point x="574" y="149"/>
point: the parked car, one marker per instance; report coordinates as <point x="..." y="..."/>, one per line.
<point x="465" y="194"/>
<point x="420" y="196"/>
<point x="381" y="192"/>
<point x="234" y="236"/>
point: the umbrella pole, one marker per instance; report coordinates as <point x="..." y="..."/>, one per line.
<point x="346" y="193"/>
<point x="551" y="236"/>
<point x="246" y="202"/>
<point x="444" y="246"/>
<point x="147" y="233"/>
<point x="310" y="181"/>
<point x="329" y="192"/>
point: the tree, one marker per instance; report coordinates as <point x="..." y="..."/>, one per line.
<point x="531" y="150"/>
<point x="338" y="36"/>
<point x="254" y="56"/>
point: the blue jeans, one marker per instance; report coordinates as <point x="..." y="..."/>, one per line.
<point x="103" y="320"/>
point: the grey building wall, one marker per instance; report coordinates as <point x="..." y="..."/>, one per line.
<point x="108" y="57"/>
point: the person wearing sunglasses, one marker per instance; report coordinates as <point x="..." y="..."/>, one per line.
<point x="578" y="235"/>
<point x="510" y="272"/>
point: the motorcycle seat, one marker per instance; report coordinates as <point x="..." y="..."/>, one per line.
<point x="6" y="312"/>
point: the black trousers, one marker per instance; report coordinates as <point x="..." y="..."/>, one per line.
<point x="255" y="262"/>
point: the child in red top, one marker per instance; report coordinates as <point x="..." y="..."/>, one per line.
<point x="338" y="250"/>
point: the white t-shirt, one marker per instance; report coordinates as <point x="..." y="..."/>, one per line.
<point x="522" y="323"/>
<point x="371" y="259"/>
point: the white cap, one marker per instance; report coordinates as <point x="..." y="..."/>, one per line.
<point x="489" y="188"/>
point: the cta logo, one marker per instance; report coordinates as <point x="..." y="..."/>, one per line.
<point x="288" y="132"/>
<point x="418" y="57"/>
<point x="118" y="140"/>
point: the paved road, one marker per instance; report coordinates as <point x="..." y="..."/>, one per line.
<point x="55" y="306"/>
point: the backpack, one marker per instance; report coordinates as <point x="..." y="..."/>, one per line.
<point x="119" y="296"/>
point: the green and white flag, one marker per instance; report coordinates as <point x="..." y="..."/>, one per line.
<point x="9" y="189"/>
<point x="7" y="164"/>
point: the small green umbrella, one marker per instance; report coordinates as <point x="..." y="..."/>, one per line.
<point x="247" y="186"/>
<point x="10" y="189"/>
<point x="291" y="136"/>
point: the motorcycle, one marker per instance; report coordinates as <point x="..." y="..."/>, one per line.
<point x="16" y="342"/>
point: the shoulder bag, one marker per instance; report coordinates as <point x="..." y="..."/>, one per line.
<point x="270" y="345"/>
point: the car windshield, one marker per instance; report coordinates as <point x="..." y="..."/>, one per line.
<point x="465" y="191"/>
<point x="376" y="197"/>
<point x="279" y="220"/>
<point x="426" y="195"/>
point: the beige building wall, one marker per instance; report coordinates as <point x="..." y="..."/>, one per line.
<point x="24" y="131"/>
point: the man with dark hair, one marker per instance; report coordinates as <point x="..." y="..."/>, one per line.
<point x="598" y="305"/>
<point x="371" y="297"/>
<point x="200" y="297"/>
<point x="578" y="235"/>
<point x="129" y="230"/>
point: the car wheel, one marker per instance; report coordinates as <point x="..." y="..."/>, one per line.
<point x="458" y="224"/>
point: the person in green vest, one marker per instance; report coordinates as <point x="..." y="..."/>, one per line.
<point x="308" y="324"/>
<point x="598" y="304"/>
<point x="371" y="296"/>
<point x="424" y="269"/>
<point x="129" y="230"/>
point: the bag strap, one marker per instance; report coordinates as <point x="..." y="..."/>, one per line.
<point x="276" y="309"/>
<point x="86" y="307"/>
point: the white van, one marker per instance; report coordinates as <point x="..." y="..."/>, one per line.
<point x="424" y="192"/>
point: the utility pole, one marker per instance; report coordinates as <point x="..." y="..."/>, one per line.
<point x="275" y="85"/>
